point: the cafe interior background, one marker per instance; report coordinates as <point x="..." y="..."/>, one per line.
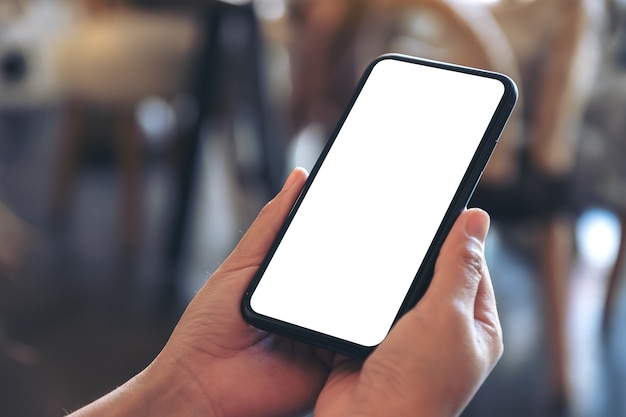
<point x="139" y="138"/>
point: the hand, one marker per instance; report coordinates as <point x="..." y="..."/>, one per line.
<point x="439" y="353"/>
<point x="431" y="363"/>
<point x="235" y="369"/>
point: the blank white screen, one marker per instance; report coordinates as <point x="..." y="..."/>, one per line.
<point x="346" y="262"/>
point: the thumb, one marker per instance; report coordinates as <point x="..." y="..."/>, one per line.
<point x="461" y="275"/>
<point x="257" y="240"/>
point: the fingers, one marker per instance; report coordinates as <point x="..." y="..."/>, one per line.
<point x="443" y="349"/>
<point x="461" y="282"/>
<point x="461" y="271"/>
<point x="257" y="240"/>
<point x="222" y="293"/>
<point x="461" y="286"/>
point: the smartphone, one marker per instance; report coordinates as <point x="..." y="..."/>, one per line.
<point x="358" y="248"/>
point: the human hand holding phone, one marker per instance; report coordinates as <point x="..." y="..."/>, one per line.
<point x="437" y="352"/>
<point x="215" y="364"/>
<point x="431" y="364"/>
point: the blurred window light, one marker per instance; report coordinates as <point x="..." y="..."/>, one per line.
<point x="306" y="146"/>
<point x="237" y="2"/>
<point x="484" y="1"/>
<point x="270" y="10"/>
<point x="423" y="24"/>
<point x="598" y="236"/>
<point x="156" y="118"/>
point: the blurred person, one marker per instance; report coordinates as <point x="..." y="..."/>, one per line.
<point x="432" y="362"/>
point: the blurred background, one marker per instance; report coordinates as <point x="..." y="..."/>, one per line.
<point x="139" y="138"/>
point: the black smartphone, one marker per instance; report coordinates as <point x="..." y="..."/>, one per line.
<point x="358" y="248"/>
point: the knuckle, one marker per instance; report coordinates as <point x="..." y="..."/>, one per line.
<point x="473" y="259"/>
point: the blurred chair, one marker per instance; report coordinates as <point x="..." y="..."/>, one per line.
<point x="601" y="171"/>
<point x="550" y="48"/>
<point x="116" y="56"/>
<point x="559" y="63"/>
<point x="16" y="240"/>
<point x="336" y="40"/>
<point x="228" y="83"/>
<point x="211" y="51"/>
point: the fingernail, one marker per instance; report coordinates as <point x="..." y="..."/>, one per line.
<point x="291" y="179"/>
<point x="477" y="225"/>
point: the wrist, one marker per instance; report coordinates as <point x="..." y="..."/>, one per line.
<point x="156" y="392"/>
<point x="166" y="391"/>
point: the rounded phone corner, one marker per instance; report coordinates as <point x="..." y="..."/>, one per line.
<point x="248" y="314"/>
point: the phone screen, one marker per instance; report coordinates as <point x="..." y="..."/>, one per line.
<point x="349" y="253"/>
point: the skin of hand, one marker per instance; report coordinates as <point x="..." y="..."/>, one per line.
<point x="215" y="364"/>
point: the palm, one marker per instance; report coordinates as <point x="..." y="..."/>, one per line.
<point x="275" y="375"/>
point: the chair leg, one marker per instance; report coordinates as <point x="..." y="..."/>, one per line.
<point x="614" y="280"/>
<point x="129" y="153"/>
<point x="557" y="252"/>
<point x="67" y="162"/>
